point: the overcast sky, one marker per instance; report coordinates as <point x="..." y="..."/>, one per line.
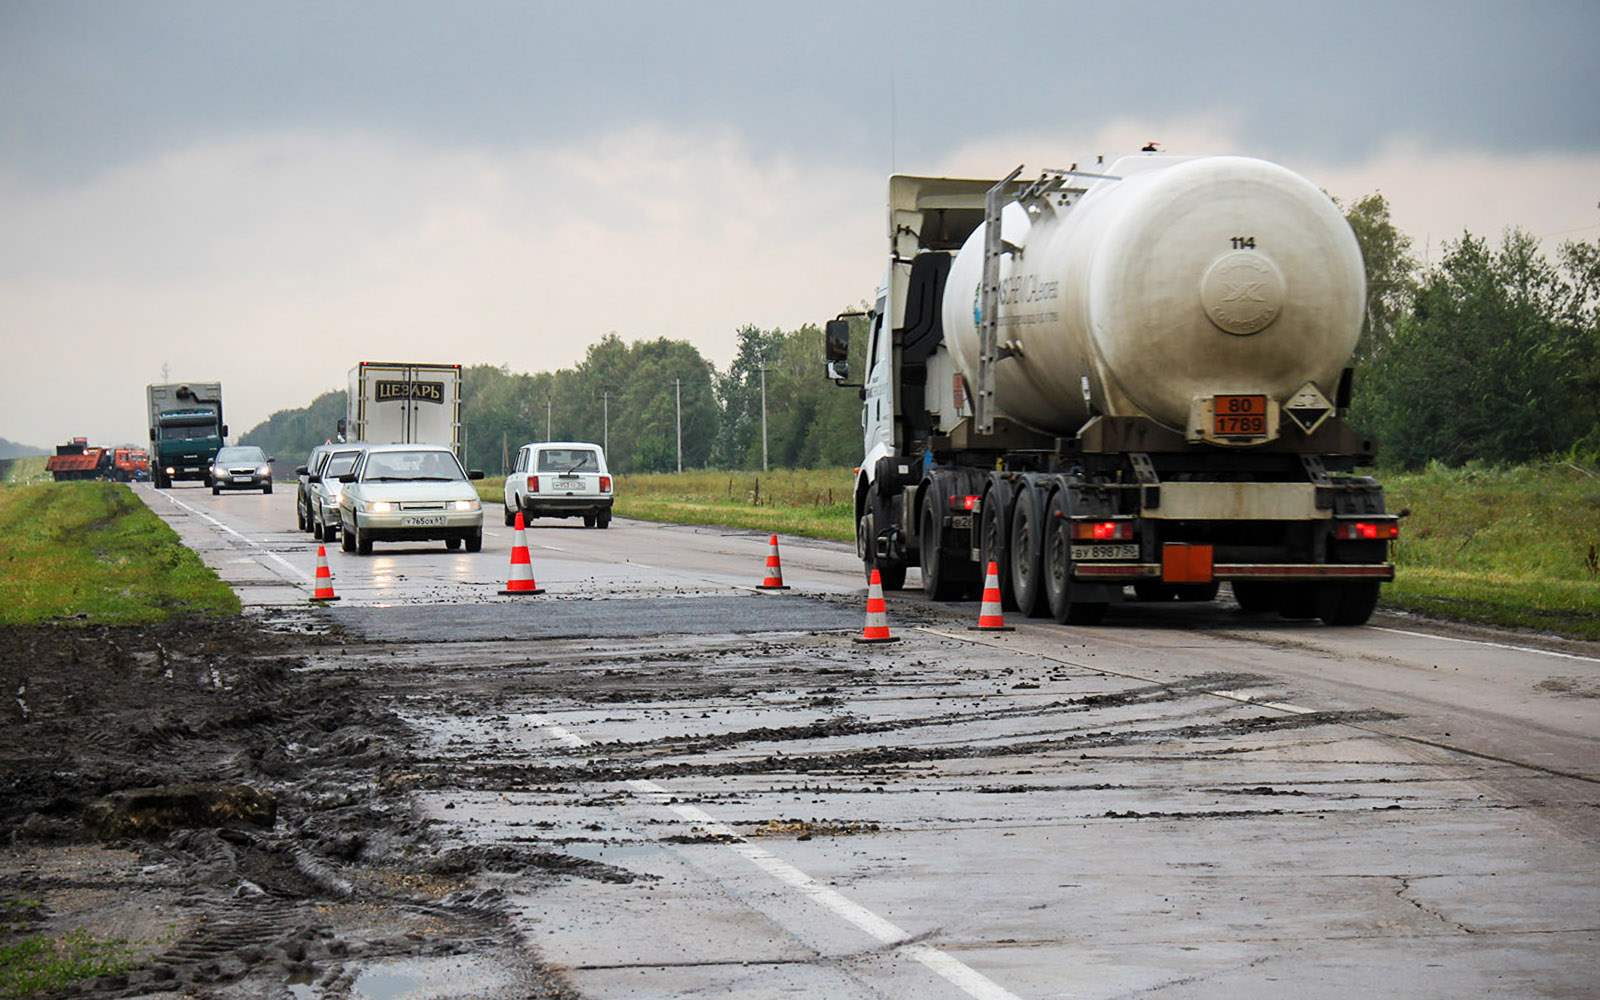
<point x="265" y="193"/>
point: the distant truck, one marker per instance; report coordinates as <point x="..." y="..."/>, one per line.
<point x="76" y="460"/>
<point x="186" y="429"/>
<point x="394" y="402"/>
<point x="130" y="465"/>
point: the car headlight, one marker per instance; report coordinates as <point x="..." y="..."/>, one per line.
<point x="378" y="506"/>
<point x="218" y="474"/>
<point x="338" y="497"/>
<point x="466" y="505"/>
<point x="265" y="470"/>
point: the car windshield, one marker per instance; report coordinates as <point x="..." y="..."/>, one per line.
<point x="241" y="455"/>
<point x="569" y="460"/>
<point x="340" y="464"/>
<point x="438" y="466"/>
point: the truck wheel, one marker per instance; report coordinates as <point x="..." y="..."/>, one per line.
<point x="1058" y="570"/>
<point x="475" y="541"/>
<point x="1347" y="603"/>
<point x="1026" y="549"/>
<point x="1255" y="597"/>
<point x="1298" y="601"/>
<point x="936" y="576"/>
<point x="348" y="541"/>
<point x="992" y="538"/>
<point x="891" y="574"/>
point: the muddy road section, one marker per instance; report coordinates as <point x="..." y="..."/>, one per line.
<point x="654" y="782"/>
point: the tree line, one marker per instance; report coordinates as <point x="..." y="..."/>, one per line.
<point x="1491" y="354"/>
<point x="655" y="405"/>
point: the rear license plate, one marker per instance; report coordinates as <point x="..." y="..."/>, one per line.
<point x="1237" y="416"/>
<point x="423" y="522"/>
<point x="1095" y="553"/>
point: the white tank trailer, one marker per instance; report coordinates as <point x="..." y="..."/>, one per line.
<point x="1125" y="378"/>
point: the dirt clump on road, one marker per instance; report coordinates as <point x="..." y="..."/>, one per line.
<point x="231" y="822"/>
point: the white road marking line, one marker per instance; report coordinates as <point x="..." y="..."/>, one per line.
<point x="1485" y="642"/>
<point x="1250" y="699"/>
<point x="970" y="981"/>
<point x="264" y="551"/>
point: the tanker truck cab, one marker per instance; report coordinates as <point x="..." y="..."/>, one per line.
<point x="1122" y="382"/>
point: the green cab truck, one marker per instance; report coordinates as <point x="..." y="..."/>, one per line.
<point x="186" y="429"/>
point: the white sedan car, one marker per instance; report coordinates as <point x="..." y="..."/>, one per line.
<point x="560" y="479"/>
<point x="408" y="493"/>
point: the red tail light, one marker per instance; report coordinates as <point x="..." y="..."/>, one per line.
<point x="1367" y="530"/>
<point x="533" y="484"/>
<point x="605" y="484"/>
<point x="1102" y="531"/>
<point x="964" y="503"/>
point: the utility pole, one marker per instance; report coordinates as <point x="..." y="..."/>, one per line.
<point x="678" y="388"/>
<point x="548" y="409"/>
<point x="605" y="417"/>
<point x="763" y="361"/>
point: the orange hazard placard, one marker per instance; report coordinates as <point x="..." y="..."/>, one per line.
<point x="1235" y="416"/>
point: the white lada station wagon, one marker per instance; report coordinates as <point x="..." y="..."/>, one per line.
<point x="560" y="479"/>
<point x="410" y="492"/>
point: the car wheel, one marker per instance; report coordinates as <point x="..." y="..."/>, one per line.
<point x="348" y="542"/>
<point x="300" y="517"/>
<point x="216" y="490"/>
<point x="511" y="517"/>
<point x="363" y="540"/>
<point x="452" y="544"/>
<point x="588" y="520"/>
<point x="475" y="541"/>
<point x="602" y="519"/>
<point x="316" y="530"/>
<point x="267" y="488"/>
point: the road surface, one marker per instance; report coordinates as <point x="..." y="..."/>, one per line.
<point x="1183" y="802"/>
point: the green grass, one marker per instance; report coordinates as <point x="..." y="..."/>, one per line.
<point x="1510" y="547"/>
<point x="92" y="552"/>
<point x="24" y="470"/>
<point x="814" y="503"/>
<point x="1506" y="546"/>
<point x="39" y="964"/>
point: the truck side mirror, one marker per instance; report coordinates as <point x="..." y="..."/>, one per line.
<point x="836" y="344"/>
<point x="224" y="430"/>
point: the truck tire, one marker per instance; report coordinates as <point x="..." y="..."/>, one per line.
<point x="1027" y="553"/>
<point x="1058" y="569"/>
<point x="891" y="573"/>
<point x="1347" y="603"/>
<point x="993" y="533"/>
<point x="936" y="576"/>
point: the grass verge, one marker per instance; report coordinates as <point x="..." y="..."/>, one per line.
<point x="37" y="964"/>
<point x="1514" y="547"/>
<point x="92" y="552"/>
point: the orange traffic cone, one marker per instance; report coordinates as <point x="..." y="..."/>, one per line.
<point x="324" y="592"/>
<point x="990" y="617"/>
<point x="774" y="577"/>
<point x="521" y="582"/>
<point x="877" y="629"/>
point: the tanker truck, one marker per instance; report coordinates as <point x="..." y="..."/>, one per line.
<point x="1126" y="379"/>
